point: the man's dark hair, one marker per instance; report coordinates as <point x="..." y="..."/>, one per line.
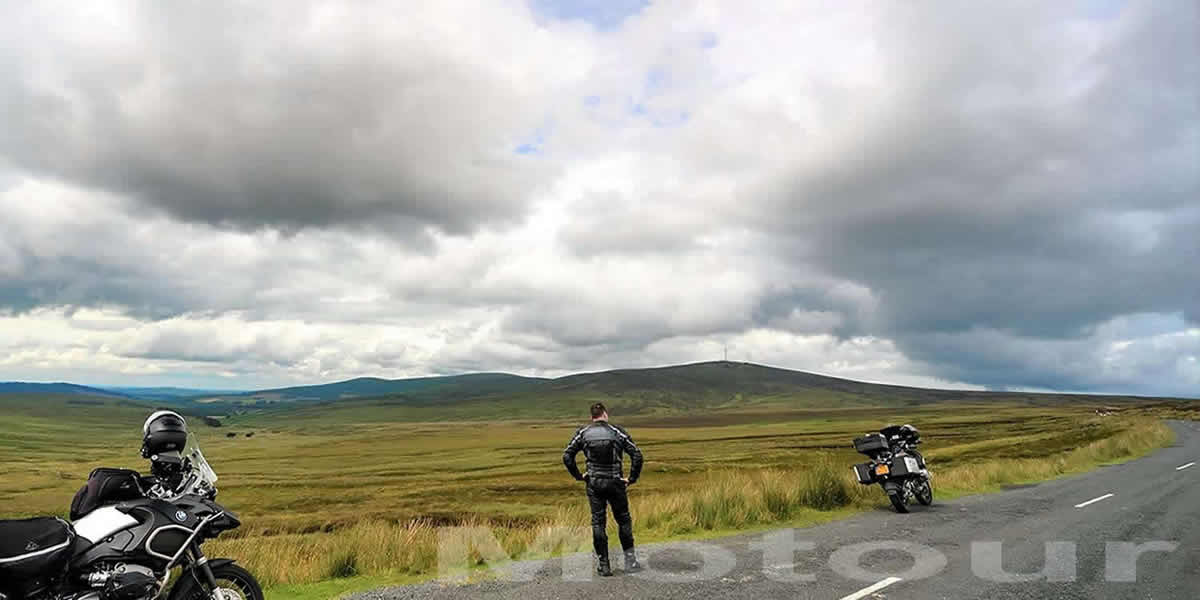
<point x="598" y="410"/>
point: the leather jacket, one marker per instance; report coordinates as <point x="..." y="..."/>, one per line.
<point x="603" y="444"/>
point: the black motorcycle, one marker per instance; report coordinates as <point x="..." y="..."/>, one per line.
<point x="126" y="536"/>
<point x="895" y="465"/>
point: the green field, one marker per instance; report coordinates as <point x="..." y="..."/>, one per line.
<point x="354" y="491"/>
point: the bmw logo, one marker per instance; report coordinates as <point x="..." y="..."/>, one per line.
<point x="181" y="516"/>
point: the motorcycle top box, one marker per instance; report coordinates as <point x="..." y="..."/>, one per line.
<point x="871" y="443"/>
<point x="32" y="553"/>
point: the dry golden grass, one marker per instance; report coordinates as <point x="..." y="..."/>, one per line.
<point x="724" y="500"/>
<point x="1140" y="436"/>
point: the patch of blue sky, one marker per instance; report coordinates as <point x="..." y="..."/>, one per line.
<point x="617" y="111"/>
<point x="657" y="80"/>
<point x="658" y="117"/>
<point x="667" y="119"/>
<point x="639" y="105"/>
<point x="1100" y="9"/>
<point x="528" y="148"/>
<point x="604" y="15"/>
<point x="534" y="143"/>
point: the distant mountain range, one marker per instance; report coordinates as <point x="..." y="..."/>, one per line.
<point x="474" y="384"/>
<point x="167" y="393"/>
<point x="57" y="389"/>
<point x="661" y="390"/>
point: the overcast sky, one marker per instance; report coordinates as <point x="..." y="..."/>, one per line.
<point x="248" y="194"/>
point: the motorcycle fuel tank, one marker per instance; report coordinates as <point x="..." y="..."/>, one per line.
<point x="102" y="523"/>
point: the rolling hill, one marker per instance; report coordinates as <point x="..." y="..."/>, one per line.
<point x="56" y="389"/>
<point x="471" y="385"/>
<point x="166" y="393"/>
<point x="712" y="387"/>
<point x="671" y="390"/>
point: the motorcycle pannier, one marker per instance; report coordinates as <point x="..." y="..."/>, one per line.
<point x="905" y="465"/>
<point x="864" y="473"/>
<point x="32" y="553"/>
<point x="871" y="443"/>
<point x="106" y="486"/>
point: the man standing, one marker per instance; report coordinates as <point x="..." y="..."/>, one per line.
<point x="603" y="444"/>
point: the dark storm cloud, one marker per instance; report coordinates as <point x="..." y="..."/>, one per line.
<point x="1126" y="355"/>
<point x="65" y="247"/>
<point x="246" y="118"/>
<point x="1015" y="189"/>
<point x="84" y="283"/>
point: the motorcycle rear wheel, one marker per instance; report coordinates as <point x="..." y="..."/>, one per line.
<point x="925" y="493"/>
<point x="899" y="502"/>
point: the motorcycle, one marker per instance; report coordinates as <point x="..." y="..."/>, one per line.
<point x="126" y="536"/>
<point x="896" y="466"/>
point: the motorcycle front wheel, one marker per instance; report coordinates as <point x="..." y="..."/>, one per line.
<point x="233" y="583"/>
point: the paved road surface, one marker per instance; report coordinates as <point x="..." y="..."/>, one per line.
<point x="1152" y="500"/>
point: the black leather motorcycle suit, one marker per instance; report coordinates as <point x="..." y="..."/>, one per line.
<point x="603" y="444"/>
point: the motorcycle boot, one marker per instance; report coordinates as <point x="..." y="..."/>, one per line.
<point x="632" y="564"/>
<point x="603" y="569"/>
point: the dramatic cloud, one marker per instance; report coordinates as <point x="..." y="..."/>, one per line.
<point x="285" y="115"/>
<point x="932" y="193"/>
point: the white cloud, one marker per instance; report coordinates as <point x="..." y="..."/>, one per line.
<point x="935" y="194"/>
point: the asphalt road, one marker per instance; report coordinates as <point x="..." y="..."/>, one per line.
<point x="985" y="547"/>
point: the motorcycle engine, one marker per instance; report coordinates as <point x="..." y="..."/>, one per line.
<point x="123" y="582"/>
<point x="131" y="585"/>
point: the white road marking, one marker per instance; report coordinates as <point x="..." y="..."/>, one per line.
<point x="1094" y="500"/>
<point x="863" y="593"/>
<point x="1180" y="468"/>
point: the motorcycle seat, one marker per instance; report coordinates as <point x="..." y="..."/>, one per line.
<point x="32" y="552"/>
<point x="29" y="538"/>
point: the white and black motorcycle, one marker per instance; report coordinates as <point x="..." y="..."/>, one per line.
<point x="129" y="532"/>
<point x="896" y="466"/>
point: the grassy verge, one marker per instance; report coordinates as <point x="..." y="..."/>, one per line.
<point x="372" y="553"/>
<point x="1140" y="438"/>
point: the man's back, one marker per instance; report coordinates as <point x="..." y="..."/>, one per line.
<point x="603" y="444"/>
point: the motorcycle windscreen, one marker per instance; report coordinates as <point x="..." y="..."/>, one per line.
<point x="199" y="463"/>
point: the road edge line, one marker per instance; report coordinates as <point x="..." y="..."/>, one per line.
<point x="1094" y="500"/>
<point x="871" y="590"/>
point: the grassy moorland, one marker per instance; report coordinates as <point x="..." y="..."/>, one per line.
<point x="336" y="496"/>
<point x="700" y="481"/>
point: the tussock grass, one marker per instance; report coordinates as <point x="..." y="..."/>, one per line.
<point x="1137" y="438"/>
<point x="723" y="500"/>
<point x="370" y="547"/>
